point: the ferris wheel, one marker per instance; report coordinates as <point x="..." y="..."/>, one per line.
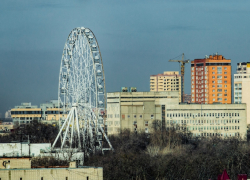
<point x="82" y="94"/>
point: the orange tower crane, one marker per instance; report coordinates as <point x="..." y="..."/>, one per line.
<point x="183" y="62"/>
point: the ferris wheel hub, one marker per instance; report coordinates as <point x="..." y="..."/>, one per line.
<point x="75" y="105"/>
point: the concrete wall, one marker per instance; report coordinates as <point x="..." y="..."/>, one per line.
<point x="13" y="163"/>
<point x="86" y="173"/>
<point x="14" y="149"/>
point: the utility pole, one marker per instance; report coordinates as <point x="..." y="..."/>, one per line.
<point x="183" y="62"/>
<point x="21" y="140"/>
<point x="29" y="144"/>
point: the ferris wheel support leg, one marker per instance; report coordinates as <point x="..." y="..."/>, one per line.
<point x="91" y="135"/>
<point x="85" y="135"/>
<point x="59" y="134"/>
<point x="70" y="119"/>
<point x="78" y="131"/>
<point x="107" y="139"/>
<point x="72" y="128"/>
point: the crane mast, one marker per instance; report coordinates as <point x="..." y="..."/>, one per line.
<point x="183" y="62"/>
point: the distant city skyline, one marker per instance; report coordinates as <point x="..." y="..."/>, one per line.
<point x="136" y="38"/>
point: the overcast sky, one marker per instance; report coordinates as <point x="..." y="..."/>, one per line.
<point x="136" y="38"/>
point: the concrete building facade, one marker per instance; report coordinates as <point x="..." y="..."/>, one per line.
<point x="211" y="80"/>
<point x="20" y="169"/>
<point x="138" y="111"/>
<point x="25" y="113"/>
<point x="168" y="81"/>
<point x="47" y="113"/>
<point x="6" y="126"/>
<point x="242" y="86"/>
<point x="187" y="98"/>
<point x="7" y="114"/>
<point x="24" y="149"/>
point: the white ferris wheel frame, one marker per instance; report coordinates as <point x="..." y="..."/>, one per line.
<point x="82" y="93"/>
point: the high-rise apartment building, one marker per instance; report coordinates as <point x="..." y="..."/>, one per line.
<point x="168" y="81"/>
<point x="211" y="80"/>
<point x="242" y="86"/>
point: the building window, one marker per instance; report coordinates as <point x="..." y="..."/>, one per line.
<point x="134" y="116"/>
<point x="128" y="116"/>
<point x="152" y="116"/>
<point x="140" y="116"/>
<point x="146" y="123"/>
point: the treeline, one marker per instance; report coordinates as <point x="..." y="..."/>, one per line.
<point x="172" y="154"/>
<point x="36" y="132"/>
<point x="163" y="154"/>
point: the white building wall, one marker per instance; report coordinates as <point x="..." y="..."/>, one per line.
<point x="140" y="109"/>
<point x="113" y="114"/>
<point x="226" y="120"/>
<point x="14" y="149"/>
<point x="242" y="91"/>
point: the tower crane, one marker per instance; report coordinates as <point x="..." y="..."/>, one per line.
<point x="183" y="62"/>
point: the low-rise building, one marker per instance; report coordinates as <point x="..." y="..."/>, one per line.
<point x="47" y="113"/>
<point x="138" y="111"/>
<point x="7" y="114"/>
<point x="25" y="113"/>
<point x="19" y="168"/>
<point x="6" y="126"/>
